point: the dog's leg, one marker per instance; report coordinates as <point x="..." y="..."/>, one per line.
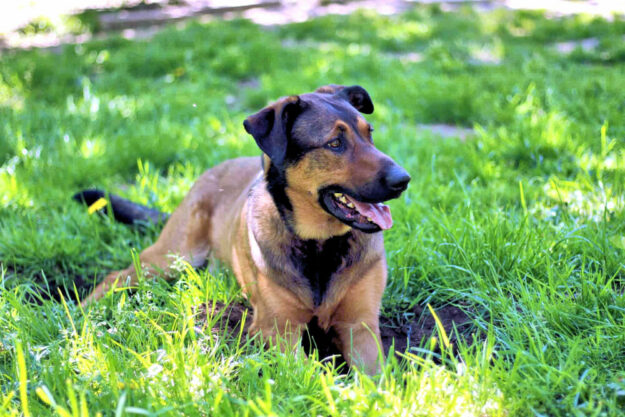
<point x="185" y="235"/>
<point x="356" y="321"/>
<point x="278" y="316"/>
<point x="284" y="334"/>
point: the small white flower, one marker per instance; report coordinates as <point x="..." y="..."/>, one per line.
<point x="154" y="370"/>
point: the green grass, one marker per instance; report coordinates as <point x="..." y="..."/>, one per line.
<point x="523" y="225"/>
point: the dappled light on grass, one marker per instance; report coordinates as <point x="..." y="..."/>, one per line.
<point x="426" y="389"/>
<point x="92" y="148"/>
<point x="13" y="194"/>
<point x="11" y="97"/>
<point x="581" y="200"/>
<point x="596" y="193"/>
<point x="149" y="183"/>
<point x="520" y="225"/>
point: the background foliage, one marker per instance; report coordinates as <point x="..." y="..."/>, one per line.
<point x="521" y="225"/>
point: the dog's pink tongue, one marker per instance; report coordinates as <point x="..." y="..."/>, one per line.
<point x="379" y="213"/>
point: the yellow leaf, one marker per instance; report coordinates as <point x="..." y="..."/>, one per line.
<point x="99" y="204"/>
<point x="43" y="396"/>
<point x="63" y="412"/>
<point x="441" y="329"/>
<point x="23" y="378"/>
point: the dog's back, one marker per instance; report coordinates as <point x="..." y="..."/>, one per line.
<point x="220" y="194"/>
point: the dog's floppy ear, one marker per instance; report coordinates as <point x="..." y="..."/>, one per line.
<point x="271" y="127"/>
<point x="355" y="95"/>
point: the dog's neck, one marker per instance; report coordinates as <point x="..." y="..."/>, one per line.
<point x="299" y="210"/>
<point x="310" y="221"/>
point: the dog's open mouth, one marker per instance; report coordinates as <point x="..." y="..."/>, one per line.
<point x="368" y="217"/>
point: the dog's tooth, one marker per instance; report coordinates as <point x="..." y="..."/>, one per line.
<point x="337" y="195"/>
<point x="342" y="199"/>
<point x="369" y="219"/>
<point x="350" y="205"/>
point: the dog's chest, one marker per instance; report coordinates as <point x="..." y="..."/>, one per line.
<point x="319" y="261"/>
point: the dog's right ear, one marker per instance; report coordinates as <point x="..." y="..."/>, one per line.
<point x="355" y="95"/>
<point x="271" y="127"/>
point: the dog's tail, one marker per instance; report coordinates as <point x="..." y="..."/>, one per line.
<point x="124" y="211"/>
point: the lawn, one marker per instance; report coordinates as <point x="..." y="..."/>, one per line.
<point x="522" y="226"/>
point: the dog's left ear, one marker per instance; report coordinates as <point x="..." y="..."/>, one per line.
<point x="271" y="127"/>
<point x="355" y="95"/>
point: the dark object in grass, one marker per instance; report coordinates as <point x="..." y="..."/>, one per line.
<point x="124" y="211"/>
<point x="43" y="288"/>
<point x="325" y="343"/>
<point x="415" y="328"/>
<point x="417" y="325"/>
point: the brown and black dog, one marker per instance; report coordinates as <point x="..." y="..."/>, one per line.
<point x="300" y="228"/>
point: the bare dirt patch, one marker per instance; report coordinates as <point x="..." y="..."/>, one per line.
<point x="410" y="331"/>
<point x="418" y="325"/>
<point x="43" y="288"/>
<point x="227" y="317"/>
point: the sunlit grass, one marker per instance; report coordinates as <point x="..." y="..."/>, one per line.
<point x="522" y="225"/>
<point x="159" y="357"/>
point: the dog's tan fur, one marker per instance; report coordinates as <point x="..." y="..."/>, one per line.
<point x="230" y="214"/>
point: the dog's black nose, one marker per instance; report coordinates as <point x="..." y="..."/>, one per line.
<point x="397" y="178"/>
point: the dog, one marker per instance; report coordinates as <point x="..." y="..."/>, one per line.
<point x="300" y="228"/>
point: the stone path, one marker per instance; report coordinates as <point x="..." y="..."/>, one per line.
<point x="141" y="19"/>
<point x="603" y="8"/>
<point x="445" y="131"/>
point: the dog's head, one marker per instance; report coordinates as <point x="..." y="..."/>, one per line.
<point x="319" y="151"/>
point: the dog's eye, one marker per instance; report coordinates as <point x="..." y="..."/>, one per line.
<point x="335" y="144"/>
